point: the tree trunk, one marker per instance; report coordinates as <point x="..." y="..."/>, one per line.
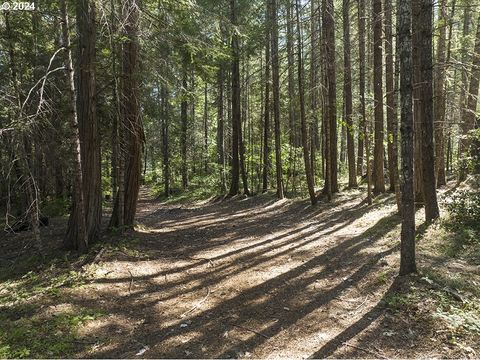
<point x="361" y="60"/>
<point x="378" y="175"/>
<point x="88" y="125"/>
<point x="266" y="122"/>
<point x="276" y="96"/>
<point x="184" y="124"/>
<point x="165" y="139"/>
<point x="234" y="187"/>
<point x="468" y="146"/>
<point x="205" y="129"/>
<point x="426" y="107"/>
<point x="291" y="77"/>
<point x="439" y="96"/>
<point x="330" y="116"/>
<point x="220" y="128"/>
<point x="132" y="122"/>
<point x="303" y="122"/>
<point x="79" y="239"/>
<point x="390" y="89"/>
<point x="407" y="249"/>
<point x="347" y="93"/>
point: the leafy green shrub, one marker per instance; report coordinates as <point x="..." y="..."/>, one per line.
<point x="464" y="208"/>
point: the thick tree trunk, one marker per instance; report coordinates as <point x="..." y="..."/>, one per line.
<point x="88" y="125"/>
<point x="407" y="251"/>
<point x="303" y="122"/>
<point x="276" y="96"/>
<point x="424" y="17"/>
<point x="132" y="122"/>
<point x="347" y="91"/>
<point x="378" y="153"/>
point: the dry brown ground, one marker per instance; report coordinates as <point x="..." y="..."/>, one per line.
<point x="259" y="278"/>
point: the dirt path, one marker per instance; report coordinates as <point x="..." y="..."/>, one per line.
<point x="256" y="278"/>
<point x="251" y="278"/>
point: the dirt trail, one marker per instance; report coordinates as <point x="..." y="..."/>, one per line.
<point x="252" y="277"/>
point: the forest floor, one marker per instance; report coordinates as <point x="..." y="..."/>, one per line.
<point x="244" y="278"/>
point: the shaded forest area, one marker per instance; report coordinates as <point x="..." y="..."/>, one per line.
<point x="240" y="179"/>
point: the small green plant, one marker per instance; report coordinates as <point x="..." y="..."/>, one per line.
<point x="464" y="208"/>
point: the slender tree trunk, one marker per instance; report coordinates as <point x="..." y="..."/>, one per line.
<point x="266" y="122"/>
<point x="330" y="118"/>
<point x="407" y="251"/>
<point x="80" y="238"/>
<point x="347" y="91"/>
<point x="220" y="128"/>
<point x="205" y="129"/>
<point x="390" y="89"/>
<point x="468" y="146"/>
<point x="165" y="139"/>
<point x="291" y="77"/>
<point x="378" y="175"/>
<point x="184" y="125"/>
<point x="234" y="187"/>
<point x="462" y="143"/>
<point x="303" y="122"/>
<point x="361" y="59"/>
<point x="439" y="95"/>
<point x="276" y="96"/>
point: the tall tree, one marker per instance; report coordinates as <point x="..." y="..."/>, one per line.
<point x="390" y="97"/>
<point x="184" y="122"/>
<point x="79" y="240"/>
<point x="131" y="117"/>
<point x="439" y="95"/>
<point x="301" y="94"/>
<point x="347" y="94"/>
<point x="378" y="157"/>
<point x="424" y="18"/>
<point x="276" y="96"/>
<point x="361" y="83"/>
<point x="221" y="126"/>
<point x="469" y="111"/>
<point x="330" y="111"/>
<point x="236" y="115"/>
<point x="88" y="126"/>
<point x="407" y="251"/>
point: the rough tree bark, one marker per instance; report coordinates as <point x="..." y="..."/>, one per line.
<point x="439" y="95"/>
<point x="378" y="153"/>
<point x="424" y="19"/>
<point x="303" y="122"/>
<point x="347" y="93"/>
<point x="407" y="251"/>
<point x="235" y="63"/>
<point x="80" y="239"/>
<point x="88" y="125"/>
<point x="276" y="96"/>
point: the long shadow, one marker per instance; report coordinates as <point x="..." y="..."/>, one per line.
<point x="255" y="301"/>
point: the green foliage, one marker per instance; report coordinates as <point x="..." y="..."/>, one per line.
<point x="464" y="207"/>
<point x="41" y="336"/>
<point x="56" y="207"/>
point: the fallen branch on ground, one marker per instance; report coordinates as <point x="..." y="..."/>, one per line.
<point x="197" y="305"/>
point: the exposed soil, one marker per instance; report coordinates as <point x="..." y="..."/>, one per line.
<point x="260" y="278"/>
